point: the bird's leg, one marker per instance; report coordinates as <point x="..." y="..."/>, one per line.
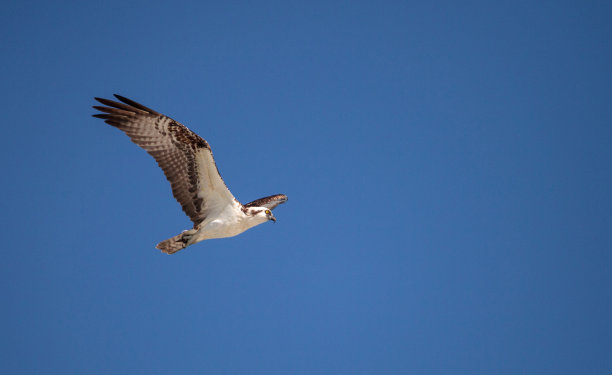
<point x="188" y="235"/>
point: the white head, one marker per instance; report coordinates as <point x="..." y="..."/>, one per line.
<point x="260" y="214"/>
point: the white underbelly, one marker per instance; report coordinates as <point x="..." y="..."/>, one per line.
<point x="220" y="229"/>
<point x="230" y="222"/>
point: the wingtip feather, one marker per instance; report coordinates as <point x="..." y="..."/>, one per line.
<point x="135" y="104"/>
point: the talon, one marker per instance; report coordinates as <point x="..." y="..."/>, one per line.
<point x="188" y="236"/>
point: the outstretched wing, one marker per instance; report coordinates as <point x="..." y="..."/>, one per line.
<point x="269" y="202"/>
<point x="185" y="158"/>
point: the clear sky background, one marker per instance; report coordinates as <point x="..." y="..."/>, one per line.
<point x="448" y="167"/>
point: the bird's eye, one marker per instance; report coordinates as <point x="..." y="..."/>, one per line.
<point x="268" y="212"/>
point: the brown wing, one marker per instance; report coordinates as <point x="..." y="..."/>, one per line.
<point x="185" y="158"/>
<point x="269" y="202"/>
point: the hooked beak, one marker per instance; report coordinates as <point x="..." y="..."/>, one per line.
<point x="273" y="218"/>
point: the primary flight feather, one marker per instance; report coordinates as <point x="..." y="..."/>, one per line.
<point x="189" y="165"/>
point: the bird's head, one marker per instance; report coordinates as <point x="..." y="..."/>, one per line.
<point x="263" y="213"/>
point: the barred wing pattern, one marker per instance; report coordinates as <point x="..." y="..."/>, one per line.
<point x="185" y="158"/>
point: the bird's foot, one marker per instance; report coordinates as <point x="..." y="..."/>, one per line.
<point x="188" y="235"/>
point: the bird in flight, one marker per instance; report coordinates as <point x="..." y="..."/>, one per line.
<point x="188" y="163"/>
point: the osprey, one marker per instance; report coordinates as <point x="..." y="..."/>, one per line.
<point x="188" y="163"/>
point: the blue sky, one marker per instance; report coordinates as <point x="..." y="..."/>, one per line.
<point x="448" y="167"/>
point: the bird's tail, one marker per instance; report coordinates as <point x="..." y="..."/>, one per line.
<point x="174" y="244"/>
